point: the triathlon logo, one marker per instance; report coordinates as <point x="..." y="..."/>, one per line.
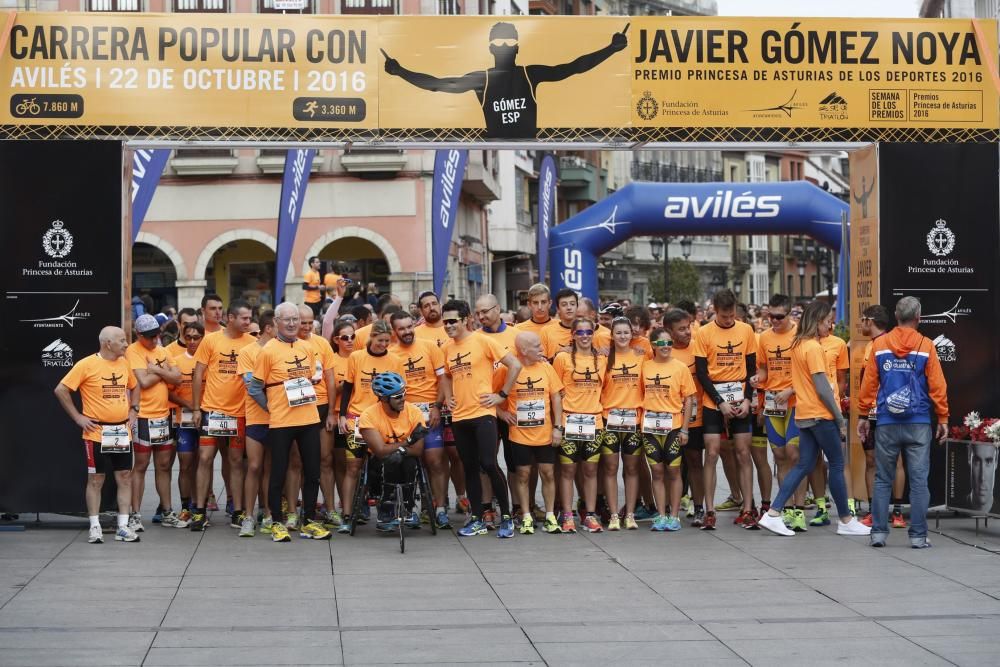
<point x="647" y="108"/>
<point x="945" y="348"/>
<point x="833" y="107"/>
<point x="57" y="354"/>
<point x="68" y="318"/>
<point x="507" y="91"/>
<point x="940" y="240"/>
<point x="57" y="241"/>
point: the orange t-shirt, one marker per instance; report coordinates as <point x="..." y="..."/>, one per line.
<point x="531" y="400"/>
<point x="277" y="362"/>
<point x="602" y="338"/>
<point x="665" y="385"/>
<point x="246" y="363"/>
<point x="838" y="358"/>
<point x="470" y="365"/>
<point x="643" y="343"/>
<point x="176" y="349"/>
<point x="807" y="360"/>
<point x="726" y="351"/>
<point x="583" y="382"/>
<point x="622" y="388"/>
<point x="362" y="367"/>
<point x="224" y="388"/>
<point x="103" y="389"/>
<point x="185" y="364"/>
<point x="772" y="353"/>
<point x="554" y="338"/>
<point x="361" y="336"/>
<point x="421" y="362"/>
<point x="686" y="356"/>
<point x="339" y="374"/>
<point x="535" y="327"/>
<point x="330" y="280"/>
<point x="311" y="278"/>
<point x="324" y="356"/>
<point x="506" y="338"/>
<point x="154" y="402"/>
<point x="435" y="334"/>
<point x="394" y="430"/>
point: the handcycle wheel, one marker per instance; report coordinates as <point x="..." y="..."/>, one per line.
<point x="400" y="503"/>
<point x="360" y="496"/>
<point x="426" y="501"/>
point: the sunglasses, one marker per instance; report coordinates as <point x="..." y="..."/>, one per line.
<point x="778" y="317"/>
<point x="663" y="343"/>
<point x="450" y="322"/>
<point x="347" y="337"/>
<point x="583" y="332"/>
<point x="503" y="42"/>
<point x="398" y="397"/>
<point x="195" y="337"/>
<point x="254" y="333"/>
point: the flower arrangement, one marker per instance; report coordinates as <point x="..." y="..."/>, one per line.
<point x="977" y="429"/>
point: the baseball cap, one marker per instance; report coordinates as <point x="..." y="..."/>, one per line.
<point x="653" y="306"/>
<point x="161" y="319"/>
<point x="146" y="324"/>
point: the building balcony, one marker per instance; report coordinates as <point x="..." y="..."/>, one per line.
<point x="481" y="178"/>
<point x="204" y="162"/>
<point x="615" y="280"/>
<point x="272" y="161"/>
<point x="580" y="180"/>
<point x="663" y="172"/>
<point x="372" y="161"/>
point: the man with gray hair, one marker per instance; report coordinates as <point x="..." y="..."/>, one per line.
<point x="903" y="381"/>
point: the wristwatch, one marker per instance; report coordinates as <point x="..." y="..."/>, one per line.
<point x="502" y="394"/>
<point x="134" y="407"/>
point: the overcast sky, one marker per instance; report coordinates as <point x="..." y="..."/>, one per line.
<point x="844" y="8"/>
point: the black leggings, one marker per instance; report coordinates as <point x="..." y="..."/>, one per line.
<point x="405" y="473"/>
<point x="476" y="440"/>
<point x="279" y="440"/>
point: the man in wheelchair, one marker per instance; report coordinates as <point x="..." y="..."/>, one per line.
<point x="394" y="431"/>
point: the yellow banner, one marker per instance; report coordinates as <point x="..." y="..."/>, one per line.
<point x="399" y="79"/>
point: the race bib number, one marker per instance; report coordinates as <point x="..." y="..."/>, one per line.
<point x="187" y="418"/>
<point x="425" y="410"/>
<point x="159" y="431"/>
<point x="581" y="427"/>
<point x="771" y="407"/>
<point x="623" y="420"/>
<point x="657" y="423"/>
<point x="299" y="391"/>
<point x="530" y="414"/>
<point x="221" y="425"/>
<point x="731" y="392"/>
<point x="114" y="439"/>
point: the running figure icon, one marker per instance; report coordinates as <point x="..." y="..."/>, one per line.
<point x="506" y="92"/>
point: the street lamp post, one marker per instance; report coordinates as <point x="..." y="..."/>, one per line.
<point x="802" y="278"/>
<point x="656" y="246"/>
<point x="738" y="286"/>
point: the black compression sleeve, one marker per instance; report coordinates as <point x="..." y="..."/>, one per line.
<point x="345" y="396"/>
<point x="701" y="371"/>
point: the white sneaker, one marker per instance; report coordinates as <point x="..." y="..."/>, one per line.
<point x="775" y="525"/>
<point x="171" y="520"/>
<point x="126" y="534"/>
<point x="96" y="536"/>
<point x="135" y="522"/>
<point x="853" y="527"/>
<point x="292" y="522"/>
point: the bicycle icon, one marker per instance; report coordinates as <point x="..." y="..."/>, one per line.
<point x="28" y="107"/>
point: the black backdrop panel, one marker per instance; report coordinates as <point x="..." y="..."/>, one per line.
<point x="939" y="240"/>
<point x="62" y="281"/>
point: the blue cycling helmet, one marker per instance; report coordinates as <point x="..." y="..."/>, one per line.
<point x="387" y="384"/>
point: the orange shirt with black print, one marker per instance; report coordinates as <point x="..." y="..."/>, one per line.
<point x="470" y="365"/>
<point x="224" y="391"/>
<point x="421" y="362"/>
<point x="394" y="430"/>
<point x="103" y="387"/>
<point x="277" y="363"/>
<point x="311" y="278"/>
<point x="362" y="367"/>
<point x="154" y="402"/>
<point x="808" y="359"/>
<point x="246" y="363"/>
<point x="530" y="401"/>
<point x="726" y="351"/>
<point x="685" y="355"/>
<point x="665" y="385"/>
<point x="583" y="382"/>
<point x="622" y="386"/>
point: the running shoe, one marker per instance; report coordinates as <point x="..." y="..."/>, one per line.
<point x="853" y="527"/>
<point x="135" y="523"/>
<point x="158" y="515"/>
<point x="787" y="515"/>
<point x="537" y="513"/>
<point x="96" y="535"/>
<point x="750" y="518"/>
<point x="126" y="534"/>
<point x="313" y="530"/>
<point x="345" y="528"/>
<point x="687" y="506"/>
<point x="822" y="518"/>
<point x="709" y="523"/>
<point x="775" y="525"/>
<point x="413" y="521"/>
<point x="551" y="525"/>
<point x="592" y="525"/>
<point x="284" y="505"/>
<point x="898" y="520"/>
<point x="852" y="506"/>
<point x="614" y="523"/>
<point x="463" y="506"/>
<point x="603" y="509"/>
<point x="279" y="533"/>
<point x="673" y="524"/>
<point x="198" y="522"/>
<point x="473" y="527"/>
<point x="630" y="523"/>
<point x="490" y="519"/>
<point x="567" y="525"/>
<point x="229" y="507"/>
<point x="185" y="516"/>
<point x="659" y="523"/>
<point x="386" y="526"/>
<point x="581" y="507"/>
<point x="730" y="504"/>
<point x="292" y="521"/>
<point x="799" y="524"/>
<point x="506" y="529"/>
<point x="265" y="525"/>
<point x="699" y="518"/>
<point x="810" y="503"/>
<point x="442" y="519"/>
<point x="867" y="519"/>
<point x="171" y="520"/>
<point x="212" y="505"/>
<point x="527" y="525"/>
<point x="643" y="513"/>
<point x="236" y="519"/>
<point x="247" y="528"/>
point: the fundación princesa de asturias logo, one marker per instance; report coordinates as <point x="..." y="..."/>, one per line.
<point x="940" y="240"/>
<point x="57" y="241"/>
<point x="647" y="107"/>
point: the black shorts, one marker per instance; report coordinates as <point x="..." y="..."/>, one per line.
<point x="527" y="455"/>
<point x="715" y="423"/>
<point x="614" y="442"/>
<point x="663" y="448"/>
<point x="324" y="412"/>
<point x="868" y="444"/>
<point x="696" y="439"/>
<point x="339" y="439"/>
<point x="98" y="463"/>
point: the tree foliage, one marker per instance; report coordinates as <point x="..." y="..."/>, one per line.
<point x="685" y="282"/>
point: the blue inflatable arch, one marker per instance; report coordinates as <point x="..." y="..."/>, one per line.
<point x="641" y="209"/>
